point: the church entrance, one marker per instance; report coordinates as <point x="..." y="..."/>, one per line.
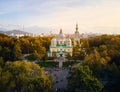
<point x="61" y="55"/>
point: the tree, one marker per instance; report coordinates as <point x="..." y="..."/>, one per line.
<point x="6" y="53"/>
<point x="4" y="78"/>
<point x="76" y="52"/>
<point x="94" y="56"/>
<point x="23" y="76"/>
<point x="81" y="80"/>
<point x="113" y="80"/>
<point x="68" y="56"/>
<point x="25" y="45"/>
<point x="17" y="52"/>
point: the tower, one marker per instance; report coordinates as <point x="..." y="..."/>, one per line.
<point x="76" y="36"/>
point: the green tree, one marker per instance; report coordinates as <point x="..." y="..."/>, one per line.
<point x="24" y="76"/>
<point x="4" y="78"/>
<point x="76" y="52"/>
<point x="68" y="56"/>
<point x="6" y="53"/>
<point x="17" y="52"/>
<point x="113" y="80"/>
<point x="36" y="55"/>
<point x="81" y="80"/>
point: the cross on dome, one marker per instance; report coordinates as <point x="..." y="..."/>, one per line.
<point x="61" y="31"/>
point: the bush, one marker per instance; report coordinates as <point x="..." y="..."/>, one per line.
<point x="30" y="57"/>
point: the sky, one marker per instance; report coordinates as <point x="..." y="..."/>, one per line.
<point x="96" y="16"/>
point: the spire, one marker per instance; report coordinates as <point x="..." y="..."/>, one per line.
<point x="61" y="31"/>
<point x="76" y="27"/>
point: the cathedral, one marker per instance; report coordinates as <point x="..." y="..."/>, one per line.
<point x="62" y="45"/>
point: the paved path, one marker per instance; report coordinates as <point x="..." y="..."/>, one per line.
<point x="23" y="57"/>
<point x="78" y="64"/>
<point x="59" y="76"/>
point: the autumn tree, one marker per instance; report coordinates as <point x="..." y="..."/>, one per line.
<point x="24" y="76"/>
<point x="17" y="52"/>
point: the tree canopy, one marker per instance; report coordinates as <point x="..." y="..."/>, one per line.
<point x="82" y="80"/>
<point x="24" y="76"/>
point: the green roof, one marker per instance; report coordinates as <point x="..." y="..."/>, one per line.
<point x="48" y="51"/>
<point x="61" y="45"/>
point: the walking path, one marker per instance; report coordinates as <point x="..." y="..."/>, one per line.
<point x="59" y="76"/>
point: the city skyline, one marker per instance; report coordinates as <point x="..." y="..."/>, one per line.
<point x="50" y="15"/>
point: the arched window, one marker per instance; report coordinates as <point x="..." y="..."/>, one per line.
<point x="60" y="42"/>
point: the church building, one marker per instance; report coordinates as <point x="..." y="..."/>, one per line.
<point x="76" y="36"/>
<point x="62" y="45"/>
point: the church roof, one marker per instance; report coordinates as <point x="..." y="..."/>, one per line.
<point x="61" y="35"/>
<point x="68" y="40"/>
<point x="61" y="45"/>
<point x="53" y="39"/>
<point x="48" y="51"/>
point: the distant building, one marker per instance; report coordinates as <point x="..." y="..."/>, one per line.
<point x="16" y="33"/>
<point x="61" y="45"/>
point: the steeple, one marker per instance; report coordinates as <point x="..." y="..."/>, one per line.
<point x="76" y="36"/>
<point x="76" y="28"/>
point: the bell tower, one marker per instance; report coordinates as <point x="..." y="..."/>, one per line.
<point x="76" y="28"/>
<point x="76" y="36"/>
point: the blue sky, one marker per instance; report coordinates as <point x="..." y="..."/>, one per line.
<point x="98" y="16"/>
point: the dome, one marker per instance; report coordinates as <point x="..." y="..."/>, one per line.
<point x="54" y="40"/>
<point x="61" y="35"/>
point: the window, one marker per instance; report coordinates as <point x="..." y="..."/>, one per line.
<point x="60" y="42"/>
<point x="68" y="43"/>
<point x="68" y="50"/>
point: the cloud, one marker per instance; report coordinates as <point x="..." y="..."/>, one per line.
<point x="91" y="15"/>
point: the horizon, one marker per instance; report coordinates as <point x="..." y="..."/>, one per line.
<point x="43" y="16"/>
